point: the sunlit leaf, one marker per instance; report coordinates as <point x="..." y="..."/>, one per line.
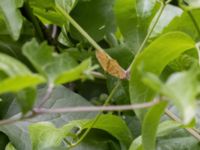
<point x="150" y="125"/>
<point x="153" y="59"/>
<point x="182" y="94"/>
<point x="12" y="17"/>
<point x="9" y="146"/>
<point x="133" y="19"/>
<point x="47" y="62"/>
<point x="81" y="71"/>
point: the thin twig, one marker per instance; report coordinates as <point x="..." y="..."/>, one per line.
<point x="98" y="75"/>
<point x="20" y="118"/>
<point x="9" y="121"/>
<point x="41" y="111"/>
<point x="47" y="95"/>
<point x="96" y="108"/>
<point x="194" y="132"/>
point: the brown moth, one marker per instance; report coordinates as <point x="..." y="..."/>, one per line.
<point x="110" y="65"/>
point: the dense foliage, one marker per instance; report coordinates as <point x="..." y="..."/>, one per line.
<point x="61" y="60"/>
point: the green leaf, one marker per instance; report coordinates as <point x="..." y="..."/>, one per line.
<point x="12" y="17"/>
<point x="190" y="4"/>
<point x="100" y="140"/>
<point x="44" y="10"/>
<point x="113" y="125"/>
<point x="68" y="5"/>
<point x="43" y="4"/>
<point x="20" y="82"/>
<point x="60" y="97"/>
<point x="11" y="66"/>
<point x="150" y="125"/>
<point x="45" y="61"/>
<point x="184" y="24"/>
<point x="45" y="134"/>
<point x="17" y="75"/>
<point x="24" y="85"/>
<point x="133" y="18"/>
<point x="79" y="72"/>
<point x="10" y="147"/>
<point x="57" y="68"/>
<point x="182" y="94"/>
<point x="137" y="144"/>
<point x="127" y="25"/>
<point x="95" y="17"/>
<point x="178" y="140"/>
<point x="145" y="7"/>
<point x="166" y="48"/>
<point x="164" y="129"/>
<point x="167" y="127"/>
<point x="49" y="17"/>
<point x="169" y="15"/>
<point x="26" y="99"/>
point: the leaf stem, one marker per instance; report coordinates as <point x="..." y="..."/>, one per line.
<point x="98" y="75"/>
<point x="98" y="115"/>
<point x="97" y="108"/>
<point x="41" y="111"/>
<point x="78" y="27"/>
<point x="194" y="22"/>
<point x="148" y="34"/>
<point x="194" y="132"/>
<point x="47" y="94"/>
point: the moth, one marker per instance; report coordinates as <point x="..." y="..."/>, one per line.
<point x="110" y="65"/>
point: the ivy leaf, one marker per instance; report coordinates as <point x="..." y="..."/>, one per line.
<point x="45" y="134"/>
<point x="12" y="17"/>
<point x="81" y="71"/>
<point x="41" y="133"/>
<point x="58" y="68"/>
<point x="166" y="48"/>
